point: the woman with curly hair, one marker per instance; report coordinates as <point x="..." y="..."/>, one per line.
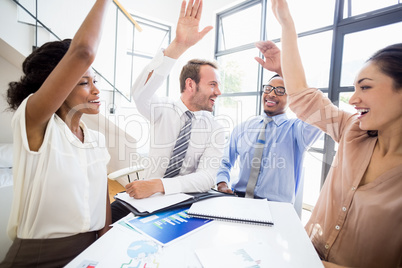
<point x="60" y="202"/>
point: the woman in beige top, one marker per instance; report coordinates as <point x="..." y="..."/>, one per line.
<point x="357" y="221"/>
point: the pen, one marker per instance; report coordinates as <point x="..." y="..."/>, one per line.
<point x="222" y="192"/>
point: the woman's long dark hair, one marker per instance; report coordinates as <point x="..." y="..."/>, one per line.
<point x="36" y="67"/>
<point x="389" y="60"/>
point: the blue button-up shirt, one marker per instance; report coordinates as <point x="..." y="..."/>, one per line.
<point x="282" y="158"/>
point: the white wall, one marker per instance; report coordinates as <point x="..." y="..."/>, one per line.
<point x="14" y="38"/>
<point x="7" y="71"/>
<point x="10" y="62"/>
<point x="18" y="35"/>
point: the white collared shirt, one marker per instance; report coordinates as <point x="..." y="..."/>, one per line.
<point x="59" y="190"/>
<point x="167" y="117"/>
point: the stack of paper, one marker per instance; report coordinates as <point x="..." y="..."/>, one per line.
<point x="154" y="202"/>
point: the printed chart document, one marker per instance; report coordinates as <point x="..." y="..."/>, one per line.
<point x="237" y="209"/>
<point x="166" y="226"/>
<point x="252" y="254"/>
<point x="120" y="247"/>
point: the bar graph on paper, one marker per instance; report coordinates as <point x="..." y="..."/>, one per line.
<point x="178" y="218"/>
<point x="165" y="227"/>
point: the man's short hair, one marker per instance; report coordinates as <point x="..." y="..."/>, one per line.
<point x="274" y="76"/>
<point x="192" y="70"/>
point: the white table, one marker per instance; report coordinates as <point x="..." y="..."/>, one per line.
<point x="286" y="244"/>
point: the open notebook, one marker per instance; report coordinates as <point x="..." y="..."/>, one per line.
<point x="245" y="210"/>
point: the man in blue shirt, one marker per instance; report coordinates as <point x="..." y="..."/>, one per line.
<point x="286" y="140"/>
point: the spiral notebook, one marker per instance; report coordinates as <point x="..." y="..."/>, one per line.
<point x="237" y="209"/>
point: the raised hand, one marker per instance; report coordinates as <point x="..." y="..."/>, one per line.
<point x="187" y="31"/>
<point x="272" y="56"/>
<point x="291" y="64"/>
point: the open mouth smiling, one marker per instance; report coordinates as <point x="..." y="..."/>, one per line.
<point x="363" y="111"/>
<point x="97" y="100"/>
<point x="270" y="103"/>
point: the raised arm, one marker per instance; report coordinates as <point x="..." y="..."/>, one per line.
<point x="61" y="81"/>
<point x="187" y="31"/>
<point x="187" y="35"/>
<point x="292" y="68"/>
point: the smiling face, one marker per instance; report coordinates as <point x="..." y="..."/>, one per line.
<point x="376" y="100"/>
<point x="84" y="98"/>
<point x="207" y="90"/>
<point x="273" y="104"/>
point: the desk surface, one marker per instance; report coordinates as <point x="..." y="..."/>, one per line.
<point x="286" y="244"/>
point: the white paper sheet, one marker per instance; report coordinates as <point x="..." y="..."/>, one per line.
<point x="253" y="254"/>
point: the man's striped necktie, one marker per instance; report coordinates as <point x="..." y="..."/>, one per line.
<point x="180" y="148"/>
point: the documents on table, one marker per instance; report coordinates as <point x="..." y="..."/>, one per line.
<point x="154" y="202"/>
<point x="243" y="255"/>
<point x="166" y="226"/>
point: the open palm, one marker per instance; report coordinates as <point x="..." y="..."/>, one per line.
<point x="187" y="31"/>
<point x="272" y="56"/>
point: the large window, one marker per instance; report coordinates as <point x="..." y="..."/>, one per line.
<point x="333" y="42"/>
<point x="125" y="52"/>
<point x="146" y="44"/>
<point x="136" y="50"/>
<point x="354" y="54"/>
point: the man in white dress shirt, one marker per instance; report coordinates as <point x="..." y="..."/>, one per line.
<point x="199" y="83"/>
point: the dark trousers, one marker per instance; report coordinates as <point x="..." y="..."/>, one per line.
<point x="118" y="211"/>
<point x="46" y="253"/>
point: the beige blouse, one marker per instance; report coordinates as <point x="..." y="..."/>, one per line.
<point x="352" y="225"/>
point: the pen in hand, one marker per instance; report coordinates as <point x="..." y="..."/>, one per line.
<point x="223" y="192"/>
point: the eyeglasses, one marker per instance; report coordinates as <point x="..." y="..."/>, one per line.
<point x="279" y="91"/>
